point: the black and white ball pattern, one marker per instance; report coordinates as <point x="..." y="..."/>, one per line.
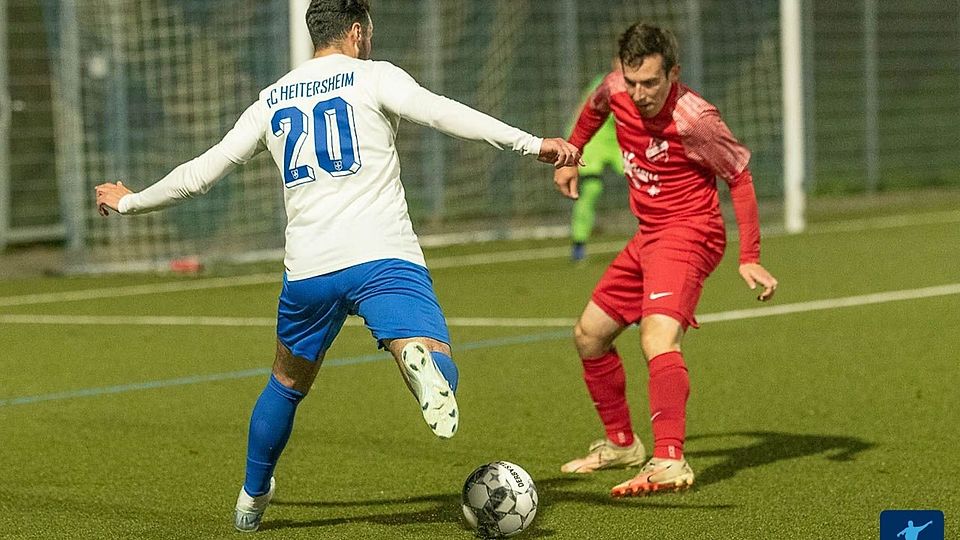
<point x="499" y="500"/>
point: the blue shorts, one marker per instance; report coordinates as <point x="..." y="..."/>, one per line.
<point x="394" y="297"/>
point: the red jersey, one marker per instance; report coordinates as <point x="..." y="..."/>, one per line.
<point x="672" y="160"/>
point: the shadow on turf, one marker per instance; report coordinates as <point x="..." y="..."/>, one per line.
<point x="768" y="447"/>
<point x="764" y="448"/>
<point x="446" y="507"/>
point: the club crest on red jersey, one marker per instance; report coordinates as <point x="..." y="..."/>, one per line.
<point x="639" y="177"/>
<point x="657" y="150"/>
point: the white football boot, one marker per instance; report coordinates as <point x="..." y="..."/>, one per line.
<point x="437" y="402"/>
<point x="604" y="454"/>
<point x="249" y="510"/>
<point x="659" y="474"/>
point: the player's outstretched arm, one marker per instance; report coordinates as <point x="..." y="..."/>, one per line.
<point x="755" y="274"/>
<point x="187" y="180"/>
<point x="194" y="177"/>
<point x="108" y="197"/>
<point x="399" y="93"/>
<point x="566" y="180"/>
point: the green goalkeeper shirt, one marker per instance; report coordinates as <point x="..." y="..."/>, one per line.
<point x="603" y="150"/>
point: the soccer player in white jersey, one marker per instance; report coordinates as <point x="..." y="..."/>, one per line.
<point x="330" y="125"/>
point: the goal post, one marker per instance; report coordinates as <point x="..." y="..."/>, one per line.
<point x="5" y="102"/>
<point x="301" y="46"/>
<point x="794" y="138"/>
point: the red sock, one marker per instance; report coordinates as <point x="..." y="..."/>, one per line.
<point x="608" y="388"/>
<point x="669" y="389"/>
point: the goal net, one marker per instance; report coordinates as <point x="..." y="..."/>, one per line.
<point x="162" y="80"/>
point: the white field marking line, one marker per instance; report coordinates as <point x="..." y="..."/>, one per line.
<point x="478" y="259"/>
<point x="832" y="303"/>
<point x="931" y="218"/>
<point x="722" y="316"/>
<point x="523" y="339"/>
<point x="137" y="290"/>
<point x="150" y="320"/>
<point x="886" y="222"/>
<point x="260" y="322"/>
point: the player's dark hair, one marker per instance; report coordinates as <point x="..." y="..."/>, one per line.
<point x="642" y="40"/>
<point x="330" y="20"/>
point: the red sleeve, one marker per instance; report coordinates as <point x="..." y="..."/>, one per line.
<point x="592" y="116"/>
<point x="747" y="215"/>
<point x="709" y="142"/>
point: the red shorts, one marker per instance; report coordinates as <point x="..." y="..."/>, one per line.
<point x="659" y="273"/>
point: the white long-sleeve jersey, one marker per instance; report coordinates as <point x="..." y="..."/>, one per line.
<point x="331" y="126"/>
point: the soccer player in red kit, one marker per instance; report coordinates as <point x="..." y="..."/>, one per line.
<point x="674" y="145"/>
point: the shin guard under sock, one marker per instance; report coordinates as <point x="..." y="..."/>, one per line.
<point x="669" y="388"/>
<point x="270" y="427"/>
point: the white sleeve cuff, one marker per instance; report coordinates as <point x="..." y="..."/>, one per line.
<point x="127" y="203"/>
<point x="533" y="147"/>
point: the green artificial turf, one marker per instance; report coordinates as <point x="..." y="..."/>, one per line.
<point x="803" y="425"/>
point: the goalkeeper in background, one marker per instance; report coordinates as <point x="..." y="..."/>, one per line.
<point x="600" y="154"/>
<point x="331" y="126"/>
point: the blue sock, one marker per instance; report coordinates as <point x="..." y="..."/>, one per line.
<point x="270" y="427"/>
<point x="447" y="368"/>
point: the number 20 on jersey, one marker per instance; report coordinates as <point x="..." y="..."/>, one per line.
<point x="334" y="137"/>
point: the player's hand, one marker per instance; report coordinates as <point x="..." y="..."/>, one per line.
<point x="567" y="179"/>
<point x="108" y="197"/>
<point x="754" y="275"/>
<point x="559" y="152"/>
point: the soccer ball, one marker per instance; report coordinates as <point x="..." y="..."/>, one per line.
<point x="499" y="500"/>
